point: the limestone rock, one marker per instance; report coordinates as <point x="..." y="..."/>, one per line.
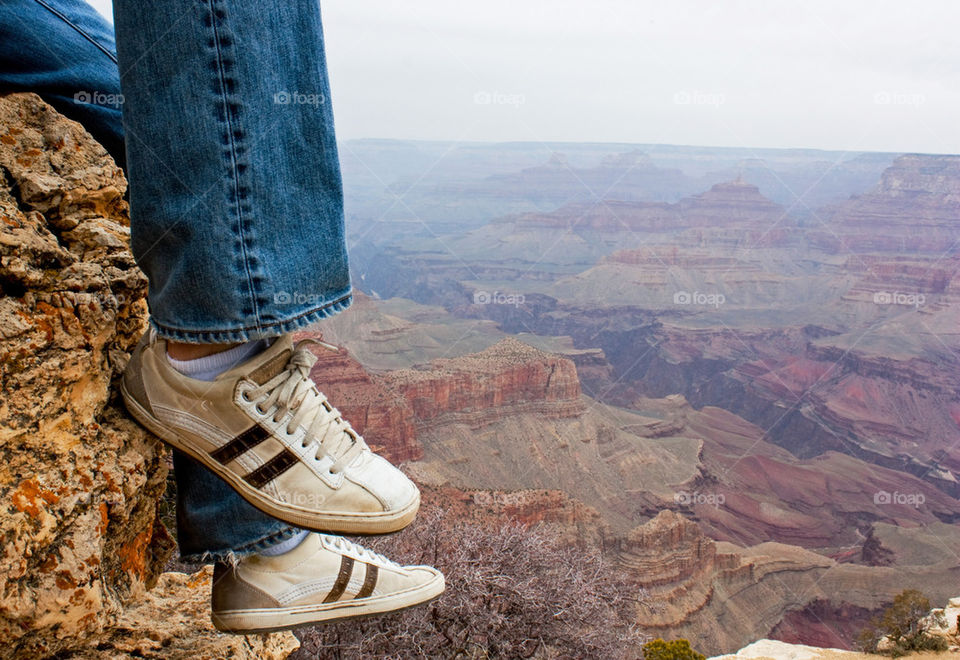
<point x="172" y="622"/>
<point x="944" y="622"/>
<point x="79" y="481"/>
<point x="768" y="649"/>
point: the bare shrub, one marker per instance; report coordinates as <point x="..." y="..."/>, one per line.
<point x="512" y="592"/>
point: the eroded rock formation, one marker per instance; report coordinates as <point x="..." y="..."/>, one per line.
<point x="79" y="481"/>
<point x="479" y="388"/>
<point x="172" y="622"/>
<point x="913" y="209"/>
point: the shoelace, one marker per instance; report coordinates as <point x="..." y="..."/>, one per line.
<point x="292" y="389"/>
<point x="362" y="553"/>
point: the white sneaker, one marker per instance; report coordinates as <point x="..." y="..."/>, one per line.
<point x="325" y="578"/>
<point x="265" y="429"/>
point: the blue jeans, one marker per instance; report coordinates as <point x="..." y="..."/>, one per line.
<point x="235" y="190"/>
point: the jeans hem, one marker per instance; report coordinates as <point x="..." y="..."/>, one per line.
<point x="261" y="331"/>
<point x="233" y="556"/>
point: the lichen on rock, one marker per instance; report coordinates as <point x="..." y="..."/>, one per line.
<point x="79" y="481"/>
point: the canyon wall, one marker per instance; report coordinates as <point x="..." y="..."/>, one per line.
<point x="913" y="209"/>
<point x="80" y="482"/>
<point x="477" y="389"/>
<point x="381" y="415"/>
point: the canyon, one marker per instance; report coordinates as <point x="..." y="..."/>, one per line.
<point x="779" y="372"/>
<point x="744" y="398"/>
<point x="678" y="499"/>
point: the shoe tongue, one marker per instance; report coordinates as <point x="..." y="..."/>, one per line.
<point x="265" y="365"/>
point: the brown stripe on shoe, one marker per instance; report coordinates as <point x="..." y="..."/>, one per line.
<point x="249" y="439"/>
<point x="343" y="579"/>
<point x="272" y="469"/>
<point x="369" y="582"/>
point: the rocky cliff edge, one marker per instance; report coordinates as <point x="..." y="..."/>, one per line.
<point x="79" y="481"/>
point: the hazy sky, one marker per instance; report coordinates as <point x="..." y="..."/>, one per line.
<point x="833" y="74"/>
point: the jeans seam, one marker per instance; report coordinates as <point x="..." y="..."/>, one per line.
<point x="80" y="31"/>
<point x="221" y="73"/>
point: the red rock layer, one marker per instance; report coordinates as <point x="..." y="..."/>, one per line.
<point x="664" y="256"/>
<point x="670" y="550"/>
<point x="915" y="208"/>
<point x="379" y="414"/>
<point x="572" y="519"/>
<point x="508" y="376"/>
<point x="908" y="273"/>
<point x="387" y="408"/>
<point x="735" y="202"/>
<point x="824" y="624"/>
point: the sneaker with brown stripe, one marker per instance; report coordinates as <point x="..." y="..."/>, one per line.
<point x="266" y="429"/>
<point x="325" y="578"/>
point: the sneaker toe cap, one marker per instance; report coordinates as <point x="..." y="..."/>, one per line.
<point x="428" y="576"/>
<point x="386" y="482"/>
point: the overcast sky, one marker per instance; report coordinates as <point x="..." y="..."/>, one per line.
<point x="833" y="74"/>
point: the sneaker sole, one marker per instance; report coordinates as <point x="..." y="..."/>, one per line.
<point x="318" y="521"/>
<point x="248" y="622"/>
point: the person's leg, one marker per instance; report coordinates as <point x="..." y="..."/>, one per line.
<point x="237" y="221"/>
<point x="62" y="48"/>
<point x="238" y="224"/>
<point x="213" y="522"/>
<point x="64" y="51"/>
<point x="235" y="185"/>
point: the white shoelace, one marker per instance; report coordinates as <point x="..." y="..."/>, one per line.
<point x="293" y="390"/>
<point x="362" y="553"/>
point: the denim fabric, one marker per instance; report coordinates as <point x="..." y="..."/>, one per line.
<point x="235" y="178"/>
<point x="64" y="51"/>
<point x="236" y="199"/>
<point x="213" y="522"/>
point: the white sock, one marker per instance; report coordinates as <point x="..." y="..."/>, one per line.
<point x="286" y="546"/>
<point x="209" y="367"/>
